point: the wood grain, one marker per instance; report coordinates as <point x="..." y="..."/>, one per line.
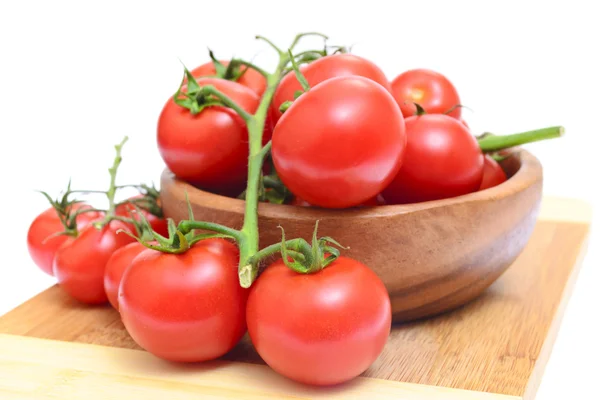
<point x="432" y="256"/>
<point x="70" y="371"/>
<point x="498" y="343"/>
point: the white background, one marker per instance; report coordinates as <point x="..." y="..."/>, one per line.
<point x="76" y="77"/>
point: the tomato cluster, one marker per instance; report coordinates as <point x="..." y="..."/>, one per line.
<point x="353" y="132"/>
<point x="338" y="134"/>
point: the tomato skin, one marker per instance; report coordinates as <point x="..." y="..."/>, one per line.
<point x="322" y="69"/>
<point x="442" y="160"/>
<point x="116" y="265"/>
<point x="493" y="174"/>
<point x="209" y="149"/>
<point x="251" y="78"/>
<point x="319" y="329"/>
<point x="187" y="307"/>
<point x="79" y="264"/>
<point x="375" y="201"/>
<point x="159" y="225"/>
<point x="430" y="89"/>
<point x="47" y="223"/>
<point x="346" y="135"/>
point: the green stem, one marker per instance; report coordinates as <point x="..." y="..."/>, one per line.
<point x="299" y="76"/>
<point x="270" y="43"/>
<point x="249" y="244"/>
<point x="301" y="35"/>
<point x="253" y="66"/>
<point x="112" y="189"/>
<point x="293" y="245"/>
<point x="186" y="226"/>
<point x="490" y="143"/>
<point x="227" y="101"/>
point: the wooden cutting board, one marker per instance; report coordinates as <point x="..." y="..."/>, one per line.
<point x="496" y="347"/>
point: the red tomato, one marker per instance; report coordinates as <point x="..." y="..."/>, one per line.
<point x="79" y="264"/>
<point x="47" y="223"/>
<point x="185" y="307"/>
<point x="323" y="328"/>
<point x="209" y="149"/>
<point x="430" y="89"/>
<point x="322" y="69"/>
<point x="251" y="78"/>
<point x="116" y="266"/>
<point x="442" y="160"/>
<point x="493" y="174"/>
<point x="345" y="135"/>
<point x="159" y="225"/>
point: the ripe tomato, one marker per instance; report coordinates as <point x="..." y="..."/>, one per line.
<point x="209" y="149"/>
<point x="159" y="225"/>
<point x="185" y="307"/>
<point x="79" y="264"/>
<point x="493" y="174"/>
<point x="322" y="69"/>
<point x="442" y="160"/>
<point x="116" y="266"/>
<point x="47" y="223"/>
<point x="341" y="143"/>
<point x="251" y="78"/>
<point x="323" y="328"/>
<point x="430" y="89"/>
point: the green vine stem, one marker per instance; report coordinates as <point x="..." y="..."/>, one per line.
<point x="112" y="189"/>
<point x="491" y="143"/>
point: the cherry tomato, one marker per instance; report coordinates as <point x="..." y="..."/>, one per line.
<point x="79" y="264"/>
<point x="41" y="246"/>
<point x="323" y="328"/>
<point x="341" y="143"/>
<point x="493" y="174"/>
<point x="159" y="225"/>
<point x="250" y="78"/>
<point x="185" y="307"/>
<point x="442" y="160"/>
<point x="322" y="69"/>
<point x="430" y="89"/>
<point x="209" y="149"/>
<point x="116" y="265"/>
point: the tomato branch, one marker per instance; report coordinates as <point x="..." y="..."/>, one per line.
<point x="251" y="65"/>
<point x="112" y="189"/>
<point x="489" y="142"/>
<point x="226" y="100"/>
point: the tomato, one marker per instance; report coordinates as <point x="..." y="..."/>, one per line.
<point x="442" y="160"/>
<point x="185" y="307"/>
<point x="209" y="149"/>
<point x="159" y="225"/>
<point x="79" y="264"/>
<point x="250" y="78"/>
<point x="42" y="248"/>
<point x="341" y="143"/>
<point x="493" y="174"/>
<point x="430" y="89"/>
<point x="116" y="266"/>
<point x="322" y="69"/>
<point x="323" y="328"/>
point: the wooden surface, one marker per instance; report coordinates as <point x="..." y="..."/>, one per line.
<point x="432" y="256"/>
<point x="497" y="344"/>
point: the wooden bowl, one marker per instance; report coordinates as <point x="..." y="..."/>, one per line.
<point x="432" y="256"/>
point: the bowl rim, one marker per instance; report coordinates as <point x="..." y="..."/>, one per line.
<point x="528" y="173"/>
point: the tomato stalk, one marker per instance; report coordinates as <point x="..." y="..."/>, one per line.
<point x="196" y="99"/>
<point x="112" y="189"/>
<point x="490" y="143"/>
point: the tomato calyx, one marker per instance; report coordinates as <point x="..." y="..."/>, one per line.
<point x="196" y="98"/>
<point x="297" y="254"/>
<point x="64" y="208"/>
